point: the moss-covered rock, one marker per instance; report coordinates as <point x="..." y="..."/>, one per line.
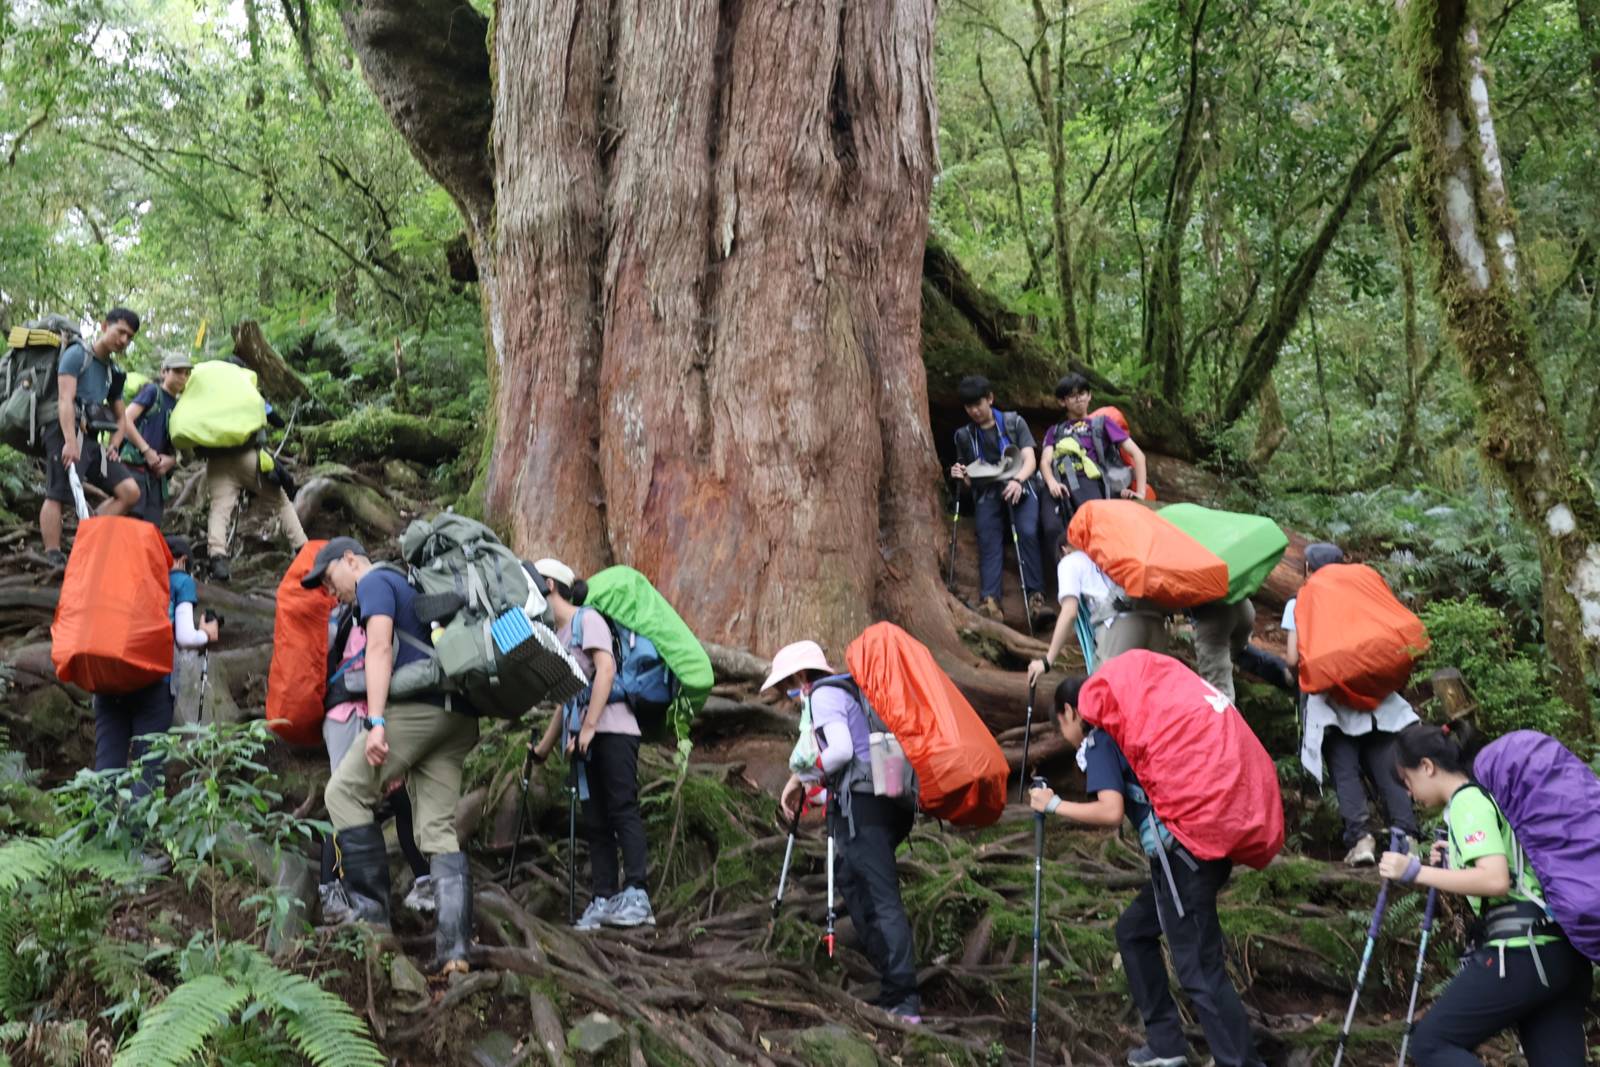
<point x="833" y="1046"/>
<point x="377" y="434"/>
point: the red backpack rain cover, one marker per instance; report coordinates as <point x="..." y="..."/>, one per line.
<point x="1208" y="777"/>
<point x="299" y="673"/>
<point x="112" y="633"/>
<point x="1357" y="642"/>
<point x="1147" y="555"/>
<point x="1115" y="415"/>
<point x="961" y="772"/>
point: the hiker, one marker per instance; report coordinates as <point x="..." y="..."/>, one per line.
<point x="1191" y="928"/>
<point x="995" y="460"/>
<point x="1117" y="621"/>
<point x="144" y="430"/>
<point x="88" y="402"/>
<point x="1221" y="633"/>
<point x="866" y="829"/>
<point x="603" y="737"/>
<point x="239" y="469"/>
<point x="1349" y="740"/>
<point x="1082" y="456"/>
<point x="1520" y="970"/>
<point x="422" y="736"/>
<point x="341" y="725"/>
<point x="124" y="722"/>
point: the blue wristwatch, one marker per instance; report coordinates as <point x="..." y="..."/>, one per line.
<point x="373" y="723"/>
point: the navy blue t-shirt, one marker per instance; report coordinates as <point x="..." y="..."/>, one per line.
<point x="1107" y="768"/>
<point x="383" y="592"/>
<point x="156" y="404"/>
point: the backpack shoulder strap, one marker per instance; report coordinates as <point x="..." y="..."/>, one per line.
<point x="1101" y="439"/>
<point x="1005" y="438"/>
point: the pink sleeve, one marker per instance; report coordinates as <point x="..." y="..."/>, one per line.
<point x="596" y="634"/>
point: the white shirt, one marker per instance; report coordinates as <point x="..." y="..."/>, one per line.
<point x="1392" y="714"/>
<point x="1077" y="575"/>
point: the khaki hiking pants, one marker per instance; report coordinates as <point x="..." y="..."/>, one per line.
<point x="1131" y="629"/>
<point x="1221" y="631"/>
<point x="426" y="744"/>
<point x="227" y="475"/>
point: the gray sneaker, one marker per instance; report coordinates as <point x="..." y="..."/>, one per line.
<point x="336" y="909"/>
<point x="593" y="916"/>
<point x="1143" y="1056"/>
<point x="630" y="908"/>
<point x="421" y="898"/>
<point x="1364" y="853"/>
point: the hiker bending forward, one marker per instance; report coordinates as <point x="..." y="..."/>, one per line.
<point x="1521" y="970"/>
<point x="1117" y="621"/>
<point x="1181" y="906"/>
<point x="866" y="829"/>
<point x="410" y="730"/>
<point x="602" y="737"/>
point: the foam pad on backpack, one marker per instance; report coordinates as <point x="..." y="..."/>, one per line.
<point x="540" y="661"/>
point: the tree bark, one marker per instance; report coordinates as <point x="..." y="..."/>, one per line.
<point x="1467" y="212"/>
<point x="276" y="380"/>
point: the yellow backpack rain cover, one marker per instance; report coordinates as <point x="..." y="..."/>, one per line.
<point x="220" y="408"/>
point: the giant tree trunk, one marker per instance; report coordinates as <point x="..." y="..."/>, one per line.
<point x="1467" y="212"/>
<point x="704" y="296"/>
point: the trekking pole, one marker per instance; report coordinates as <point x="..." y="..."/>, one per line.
<point x="522" y="809"/>
<point x="1085" y="640"/>
<point x="1397" y="843"/>
<point x="955" y="524"/>
<point x="1038" y="891"/>
<point x="1027" y="730"/>
<point x="1422" y="952"/>
<point x="1022" y="575"/>
<point x="828" y="938"/>
<point x="572" y="841"/>
<point x="788" y="854"/>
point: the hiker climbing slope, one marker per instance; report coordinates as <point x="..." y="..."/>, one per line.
<point x="146" y="430"/>
<point x="1117" y="621"/>
<point x="1171" y="721"/>
<point x="1083" y="457"/>
<point x="1521" y="970"/>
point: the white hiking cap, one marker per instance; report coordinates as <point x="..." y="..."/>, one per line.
<point x="556" y="571"/>
<point x="792" y="659"/>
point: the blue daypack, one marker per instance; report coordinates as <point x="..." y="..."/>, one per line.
<point x="643" y="681"/>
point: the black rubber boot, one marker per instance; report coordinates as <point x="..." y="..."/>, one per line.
<point x="452" y="888"/>
<point x="364" y="861"/>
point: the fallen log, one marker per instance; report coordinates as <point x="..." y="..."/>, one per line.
<point x="273" y="376"/>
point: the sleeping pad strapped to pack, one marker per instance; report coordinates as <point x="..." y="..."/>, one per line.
<point x="299" y="672"/>
<point x="1149" y="557"/>
<point x="219" y="408"/>
<point x="1357" y="642"/>
<point x="961" y="772"/>
<point x="1251" y="545"/>
<point x="111" y="632"/>
<point x="1207" y="776"/>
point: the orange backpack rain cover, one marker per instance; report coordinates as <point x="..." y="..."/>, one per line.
<point x="1115" y="415"/>
<point x="1357" y="642"/>
<point x="299" y="674"/>
<point x="1206" y="773"/>
<point x="112" y="633"/>
<point x="1147" y="555"/>
<point x="961" y="772"/>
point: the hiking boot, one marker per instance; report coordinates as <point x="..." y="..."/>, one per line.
<point x="1364" y="853"/>
<point x="421" y="899"/>
<point x="908" y="1011"/>
<point x="630" y="908"/>
<point x="1144" y="1056"/>
<point x="1037" y="605"/>
<point x="594" y="915"/>
<point x="57" y="559"/>
<point x="451" y="883"/>
<point x="336" y="909"/>
<point x="365" y="861"/>
<point x="989" y="608"/>
<point x="220" y="570"/>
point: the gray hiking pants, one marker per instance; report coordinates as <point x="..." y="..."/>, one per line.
<point x="1221" y="631"/>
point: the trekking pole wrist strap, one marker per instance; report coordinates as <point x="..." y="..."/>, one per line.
<point x="1413" y="868"/>
<point x="1055" y="802"/>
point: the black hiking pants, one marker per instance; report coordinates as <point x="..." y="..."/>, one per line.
<point x="611" y="817"/>
<point x="865" y="872"/>
<point x="1198" y="956"/>
<point x="1375" y="751"/>
<point x="123" y="725"/>
<point x="1479" y="1003"/>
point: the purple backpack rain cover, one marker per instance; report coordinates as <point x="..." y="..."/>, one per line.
<point x="1552" y="800"/>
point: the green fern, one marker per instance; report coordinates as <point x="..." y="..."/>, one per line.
<point x="18" y="978"/>
<point x="321" y="1025"/>
<point x="24" y="859"/>
<point x="174" y="1031"/>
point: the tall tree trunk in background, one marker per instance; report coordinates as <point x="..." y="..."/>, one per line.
<point x="1467" y="212"/>
<point x="703" y="281"/>
<point x="1419" y="366"/>
<point x="1589" y="27"/>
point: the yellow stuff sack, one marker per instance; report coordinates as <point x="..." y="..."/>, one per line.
<point x="220" y="407"/>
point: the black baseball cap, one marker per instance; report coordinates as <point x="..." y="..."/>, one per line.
<point x="329" y="552"/>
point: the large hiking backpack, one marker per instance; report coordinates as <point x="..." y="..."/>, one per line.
<point x="221" y="407"/>
<point x="298" y="674"/>
<point x="112" y="633"/>
<point x="490" y="641"/>
<point x="1251" y="545"/>
<point x="1208" y="779"/>
<point x="1116" y="462"/>
<point x="28" y="380"/>
<point x="961" y="772"/>
<point x="1149" y="557"/>
<point x="663" y="672"/>
<point x="1357" y="642"/>
<point x="1552" y="800"/>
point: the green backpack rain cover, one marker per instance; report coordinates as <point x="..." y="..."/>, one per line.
<point x="1251" y="545"/>
<point x="220" y="407"/>
<point x="625" y="596"/>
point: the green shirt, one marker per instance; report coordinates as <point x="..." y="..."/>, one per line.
<point x="1477" y="829"/>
